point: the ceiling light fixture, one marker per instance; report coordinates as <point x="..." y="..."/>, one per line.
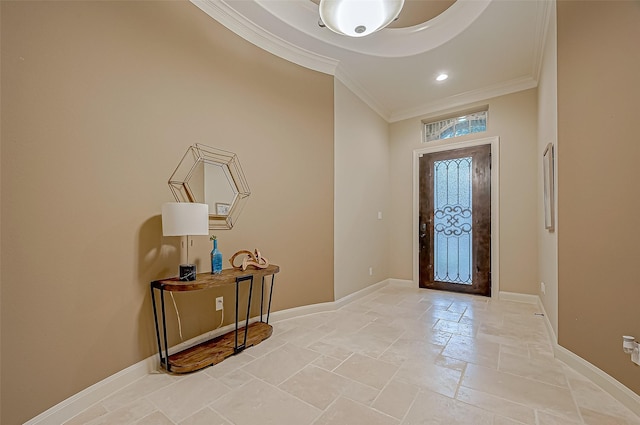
<point x="357" y="18"/>
<point x="442" y="77"/>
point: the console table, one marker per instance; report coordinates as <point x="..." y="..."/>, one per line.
<point x="219" y="348"/>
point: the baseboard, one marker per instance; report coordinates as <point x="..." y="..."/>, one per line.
<point x="291" y="313"/>
<point x="361" y="293"/>
<point x="76" y="404"/>
<point x="605" y="381"/>
<point x="403" y="282"/>
<point x="599" y="377"/>
<point x="547" y="322"/>
<point x="520" y="298"/>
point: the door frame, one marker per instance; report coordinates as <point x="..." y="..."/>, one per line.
<point x="447" y="145"/>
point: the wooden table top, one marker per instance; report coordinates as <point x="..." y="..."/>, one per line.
<point x="209" y="280"/>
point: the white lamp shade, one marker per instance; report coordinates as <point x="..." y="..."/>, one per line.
<point x="357" y="18"/>
<point x="185" y="219"/>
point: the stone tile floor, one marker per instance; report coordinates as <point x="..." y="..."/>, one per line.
<point x="399" y="356"/>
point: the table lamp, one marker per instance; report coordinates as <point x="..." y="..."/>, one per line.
<point x="185" y="219"/>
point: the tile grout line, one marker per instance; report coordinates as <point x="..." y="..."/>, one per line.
<point x="575" y="402"/>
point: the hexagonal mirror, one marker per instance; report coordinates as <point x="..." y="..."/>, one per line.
<point x="211" y="176"/>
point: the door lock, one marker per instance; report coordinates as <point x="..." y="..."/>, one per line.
<point x="423" y="230"/>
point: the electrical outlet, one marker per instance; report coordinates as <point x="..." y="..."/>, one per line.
<point x="219" y="302"/>
<point x="370" y="271"/>
<point x="543" y="288"/>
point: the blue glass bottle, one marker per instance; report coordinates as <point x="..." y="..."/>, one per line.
<point x="216" y="257"/>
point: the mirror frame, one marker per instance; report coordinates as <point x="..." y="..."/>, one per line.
<point x="197" y="155"/>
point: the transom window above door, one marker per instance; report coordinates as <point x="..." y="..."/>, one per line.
<point x="474" y="122"/>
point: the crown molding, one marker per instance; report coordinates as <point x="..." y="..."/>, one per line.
<point x="496" y="90"/>
<point x="387" y="43"/>
<point x="243" y="27"/>
<point x="362" y="93"/>
<point x="234" y="21"/>
<point x="543" y="18"/>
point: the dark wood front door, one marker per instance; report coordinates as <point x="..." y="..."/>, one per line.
<point x="455" y="220"/>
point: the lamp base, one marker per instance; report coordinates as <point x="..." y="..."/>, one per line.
<point x="187" y="272"/>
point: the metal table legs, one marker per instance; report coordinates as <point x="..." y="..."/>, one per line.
<point x="163" y="352"/>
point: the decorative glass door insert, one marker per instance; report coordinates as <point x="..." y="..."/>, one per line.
<point x="455" y="220"/>
<point x="452" y="220"/>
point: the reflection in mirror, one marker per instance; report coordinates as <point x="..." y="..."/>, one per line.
<point x="219" y="190"/>
<point x="214" y="177"/>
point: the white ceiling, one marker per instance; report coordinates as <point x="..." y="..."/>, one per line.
<point x="488" y="48"/>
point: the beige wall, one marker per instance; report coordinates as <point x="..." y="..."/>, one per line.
<point x="361" y="191"/>
<point x="598" y="250"/>
<point x="548" y="133"/>
<point x="513" y="118"/>
<point x="99" y="102"/>
<point x="0" y="238"/>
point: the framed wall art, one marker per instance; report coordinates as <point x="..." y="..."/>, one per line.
<point x="547" y="171"/>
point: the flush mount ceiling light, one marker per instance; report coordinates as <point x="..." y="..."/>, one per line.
<point x="357" y="18"/>
<point x="442" y="77"/>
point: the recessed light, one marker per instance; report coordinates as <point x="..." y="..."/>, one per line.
<point x="442" y="77"/>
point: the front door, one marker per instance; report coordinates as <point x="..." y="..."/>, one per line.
<point x="455" y="220"/>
